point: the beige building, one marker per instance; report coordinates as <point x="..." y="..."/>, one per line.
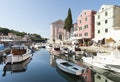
<point x="58" y="34"/>
<point x="107" y="23"/>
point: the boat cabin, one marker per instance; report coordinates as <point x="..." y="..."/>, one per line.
<point x="18" y="50"/>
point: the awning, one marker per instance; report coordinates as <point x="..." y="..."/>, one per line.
<point x="97" y="38"/>
<point x="6" y="40"/>
<point x="76" y="38"/>
<point x="110" y="40"/>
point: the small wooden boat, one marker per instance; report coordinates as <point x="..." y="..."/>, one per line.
<point x="69" y="67"/>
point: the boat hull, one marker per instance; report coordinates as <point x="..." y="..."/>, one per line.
<point x="17" y="58"/>
<point x="72" y="68"/>
<point x="99" y="67"/>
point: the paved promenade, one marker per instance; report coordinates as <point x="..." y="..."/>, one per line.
<point x="97" y="48"/>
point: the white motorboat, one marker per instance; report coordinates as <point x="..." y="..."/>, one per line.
<point x="48" y="47"/>
<point x="18" y="54"/>
<point x="94" y="65"/>
<point x="107" y="61"/>
<point x="69" y="67"/>
<point x="115" y="68"/>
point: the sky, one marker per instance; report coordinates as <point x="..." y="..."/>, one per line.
<point x="35" y="16"/>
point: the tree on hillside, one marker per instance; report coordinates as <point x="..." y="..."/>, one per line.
<point x="33" y="37"/>
<point x="68" y="21"/>
<point x="18" y="33"/>
<point x="5" y="31"/>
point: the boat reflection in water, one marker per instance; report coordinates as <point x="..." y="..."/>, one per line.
<point x="67" y="76"/>
<point x="97" y="75"/>
<point x="70" y="77"/>
<point x="106" y="77"/>
<point x="112" y="76"/>
<point x="16" y="67"/>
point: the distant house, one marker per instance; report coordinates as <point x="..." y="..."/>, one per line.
<point x="26" y="38"/>
<point x="5" y="38"/>
<point x="10" y="38"/>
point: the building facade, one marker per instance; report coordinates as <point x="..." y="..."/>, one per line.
<point x="58" y="34"/>
<point x="107" y="23"/>
<point x="85" y="27"/>
<point x="73" y="31"/>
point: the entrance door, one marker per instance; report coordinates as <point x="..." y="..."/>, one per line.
<point x="60" y="36"/>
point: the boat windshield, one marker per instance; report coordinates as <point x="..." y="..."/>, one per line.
<point x="66" y="64"/>
<point x="75" y="68"/>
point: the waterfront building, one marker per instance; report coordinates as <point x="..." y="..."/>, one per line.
<point x="107" y="23"/>
<point x="58" y="34"/>
<point x="72" y="31"/>
<point x="73" y="36"/>
<point x="85" y="28"/>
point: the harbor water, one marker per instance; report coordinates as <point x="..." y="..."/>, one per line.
<point x="42" y="68"/>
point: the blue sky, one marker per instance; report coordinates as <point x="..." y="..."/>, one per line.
<point x="35" y="16"/>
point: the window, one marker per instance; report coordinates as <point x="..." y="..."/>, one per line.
<point x="102" y="8"/>
<point x="80" y="28"/>
<point x="98" y="16"/>
<point x="80" y="35"/>
<point x="106" y="21"/>
<point x="98" y="31"/>
<point x="106" y="13"/>
<point x="106" y="30"/>
<point x="85" y="13"/>
<point x="81" y="15"/>
<point x="86" y="34"/>
<point x="85" y="78"/>
<point x="98" y="23"/>
<point x="60" y="37"/>
<point x="75" y="35"/>
<point x="86" y="26"/>
<point x="76" y="29"/>
<point x="86" y="19"/>
<point x="80" y="21"/>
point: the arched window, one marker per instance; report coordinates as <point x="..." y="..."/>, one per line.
<point x="60" y="37"/>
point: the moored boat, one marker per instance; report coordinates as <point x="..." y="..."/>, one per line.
<point x="69" y="77"/>
<point x="107" y="61"/>
<point x="69" y="67"/>
<point x="55" y="50"/>
<point x="18" y="54"/>
<point x="17" y="67"/>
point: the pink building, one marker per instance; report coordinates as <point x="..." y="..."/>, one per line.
<point x="85" y="29"/>
<point x="57" y="32"/>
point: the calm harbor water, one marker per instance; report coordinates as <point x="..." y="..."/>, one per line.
<point x="38" y="69"/>
<point x="42" y="68"/>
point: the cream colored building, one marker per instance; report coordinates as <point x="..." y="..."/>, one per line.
<point x="107" y="22"/>
<point x="57" y="33"/>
